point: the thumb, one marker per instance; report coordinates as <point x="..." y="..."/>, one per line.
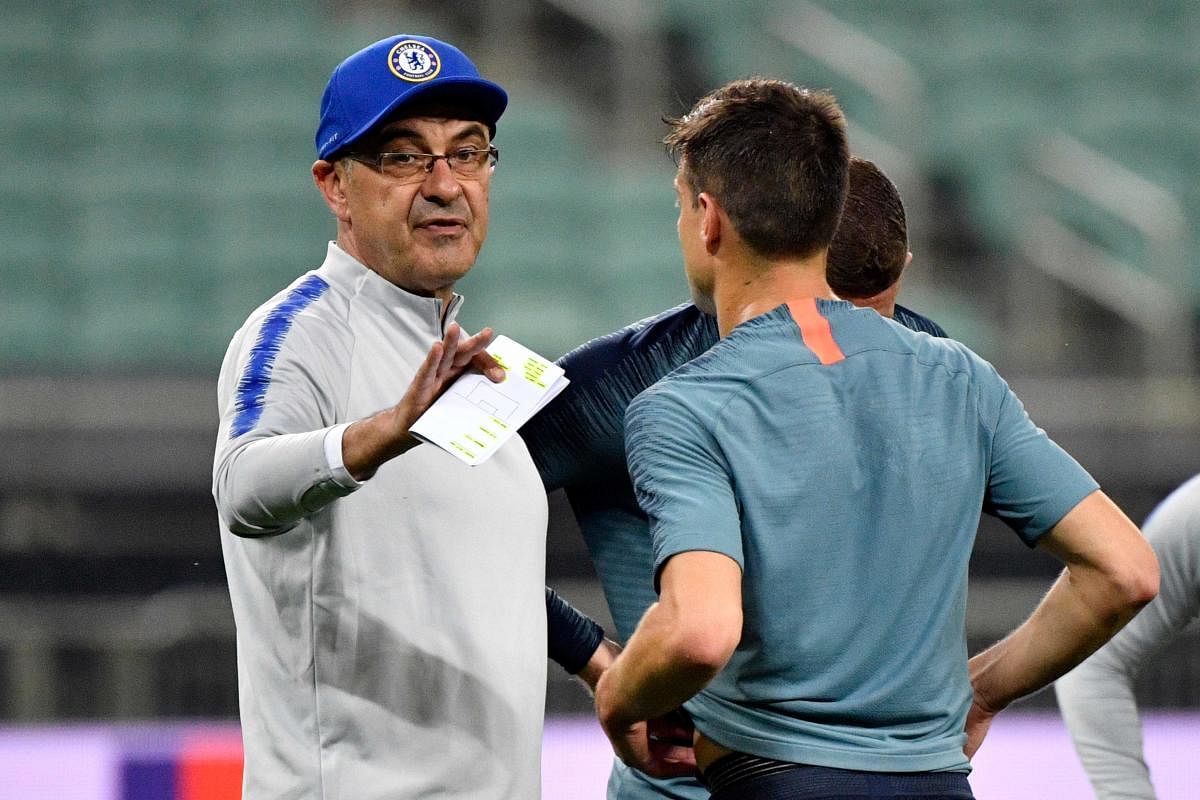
<point x="489" y="366"/>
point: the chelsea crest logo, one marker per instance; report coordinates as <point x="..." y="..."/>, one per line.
<point x="414" y="61"/>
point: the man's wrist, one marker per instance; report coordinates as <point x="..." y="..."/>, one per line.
<point x="601" y="659"/>
<point x="373" y="441"/>
<point x="979" y="666"/>
<point x="333" y="458"/>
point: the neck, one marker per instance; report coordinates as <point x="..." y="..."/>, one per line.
<point x="884" y="303"/>
<point x="349" y="245"/>
<point x="748" y="287"/>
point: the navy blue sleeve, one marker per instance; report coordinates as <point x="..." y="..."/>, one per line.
<point x="572" y="637"/>
<point x="918" y="322"/>
<point x="580" y="435"/>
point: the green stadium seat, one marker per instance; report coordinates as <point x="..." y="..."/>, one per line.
<point x="167" y="332"/>
<point x="283" y="38"/>
<point x="35" y="327"/>
<point x="39" y="117"/>
<point x="541" y="134"/>
<point x="1150" y="147"/>
<point x="161" y="188"/>
<point x="29" y="31"/>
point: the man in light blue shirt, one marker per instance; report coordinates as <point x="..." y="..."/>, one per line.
<point x="814" y="483"/>
<point x="578" y="440"/>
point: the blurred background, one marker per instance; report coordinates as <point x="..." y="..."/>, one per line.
<point x="158" y="189"/>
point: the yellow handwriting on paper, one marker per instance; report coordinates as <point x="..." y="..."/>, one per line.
<point x="458" y="446"/>
<point x="534" y="370"/>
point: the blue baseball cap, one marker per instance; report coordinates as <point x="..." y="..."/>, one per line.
<point x="369" y="86"/>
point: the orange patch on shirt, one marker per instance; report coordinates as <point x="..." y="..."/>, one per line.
<point x="815" y="331"/>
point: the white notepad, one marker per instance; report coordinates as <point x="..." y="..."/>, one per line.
<point x="475" y="417"/>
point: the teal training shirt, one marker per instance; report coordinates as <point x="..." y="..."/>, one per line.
<point x="849" y="492"/>
<point x="578" y="444"/>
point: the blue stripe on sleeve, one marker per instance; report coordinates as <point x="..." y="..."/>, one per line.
<point x="256" y="378"/>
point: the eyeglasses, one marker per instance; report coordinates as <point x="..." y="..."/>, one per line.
<point x="468" y="163"/>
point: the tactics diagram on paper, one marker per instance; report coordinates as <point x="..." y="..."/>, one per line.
<point x="475" y="417"/>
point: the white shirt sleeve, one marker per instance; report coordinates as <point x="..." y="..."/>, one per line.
<point x="1097" y="697"/>
<point x="333" y="457"/>
<point x="278" y="468"/>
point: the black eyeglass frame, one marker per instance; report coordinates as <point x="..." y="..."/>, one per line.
<point x="429" y="161"/>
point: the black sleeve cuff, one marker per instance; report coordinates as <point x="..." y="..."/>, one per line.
<point x="571" y="636"/>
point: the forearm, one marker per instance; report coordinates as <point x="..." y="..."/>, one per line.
<point x="1074" y="619"/>
<point x="1111" y="573"/>
<point x="655" y="673"/>
<point x="265" y="486"/>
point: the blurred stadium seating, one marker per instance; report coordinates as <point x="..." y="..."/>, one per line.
<point x="157" y="190"/>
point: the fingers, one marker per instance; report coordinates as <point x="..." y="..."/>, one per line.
<point x="670" y="745"/>
<point x="479" y="341"/>
<point x="667" y="761"/>
<point x="425" y="382"/>
<point x="447" y="359"/>
<point x="662" y="768"/>
<point x="470" y="348"/>
<point x="471" y="352"/>
<point x="450" y="346"/>
<point x="444" y="362"/>
<point x="674" y="756"/>
<point x="978" y="724"/>
<point x="672" y="728"/>
<point x="660" y="758"/>
<point x="489" y="367"/>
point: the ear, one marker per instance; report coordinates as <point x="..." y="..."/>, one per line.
<point x="907" y="259"/>
<point x="712" y="222"/>
<point x="331" y="182"/>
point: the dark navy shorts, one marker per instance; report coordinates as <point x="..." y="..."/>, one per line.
<point x="744" y="777"/>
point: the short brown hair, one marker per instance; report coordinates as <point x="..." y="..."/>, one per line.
<point x="775" y="157"/>
<point x="871" y="243"/>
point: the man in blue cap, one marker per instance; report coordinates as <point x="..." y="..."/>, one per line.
<point x="381" y="651"/>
